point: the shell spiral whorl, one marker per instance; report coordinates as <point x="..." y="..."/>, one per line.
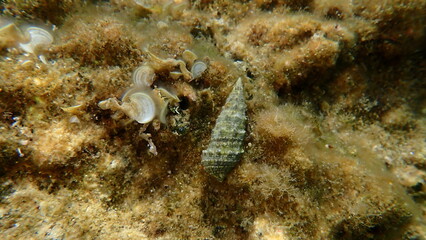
<point x="226" y="142"/>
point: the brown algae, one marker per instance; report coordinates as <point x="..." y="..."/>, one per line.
<point x="332" y="128"/>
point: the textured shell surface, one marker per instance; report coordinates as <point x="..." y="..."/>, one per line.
<point x="39" y="39"/>
<point x="227" y="140"/>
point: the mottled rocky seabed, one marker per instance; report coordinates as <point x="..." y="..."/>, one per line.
<point x="335" y="145"/>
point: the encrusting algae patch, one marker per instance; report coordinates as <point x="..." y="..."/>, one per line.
<point x="334" y="142"/>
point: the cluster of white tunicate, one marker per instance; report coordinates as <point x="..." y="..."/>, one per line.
<point x="189" y="61"/>
<point x="143" y="103"/>
<point x="198" y="69"/>
<point x="33" y="40"/>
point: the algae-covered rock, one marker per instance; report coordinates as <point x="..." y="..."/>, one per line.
<point x="334" y="145"/>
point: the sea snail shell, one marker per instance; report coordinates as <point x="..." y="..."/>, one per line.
<point x="226" y="143"/>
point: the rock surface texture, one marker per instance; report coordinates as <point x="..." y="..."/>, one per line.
<point x="107" y="126"/>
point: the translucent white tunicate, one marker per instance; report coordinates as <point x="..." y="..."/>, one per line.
<point x="198" y="68"/>
<point x="168" y="95"/>
<point x="40" y="39"/>
<point x="141" y="107"/>
<point x="143" y="76"/>
<point x="163" y="112"/>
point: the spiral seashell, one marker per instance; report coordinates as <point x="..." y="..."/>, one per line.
<point x="40" y="39"/>
<point x="198" y="68"/>
<point x="143" y="76"/>
<point x="226" y="142"/>
<point x="141" y="107"/>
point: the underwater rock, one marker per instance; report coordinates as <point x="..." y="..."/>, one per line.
<point x="141" y="103"/>
<point x="334" y="146"/>
<point x="226" y="143"/>
<point x="10" y="35"/>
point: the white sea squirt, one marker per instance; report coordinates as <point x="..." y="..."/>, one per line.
<point x="140" y="107"/>
<point x="143" y="76"/>
<point x="39" y="41"/>
<point x="198" y="69"/>
<point x="189" y="57"/>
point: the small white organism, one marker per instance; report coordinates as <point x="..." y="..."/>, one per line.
<point x="198" y="69"/>
<point x="143" y="103"/>
<point x="143" y="76"/>
<point x="140" y="107"/>
<point x="39" y="41"/>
